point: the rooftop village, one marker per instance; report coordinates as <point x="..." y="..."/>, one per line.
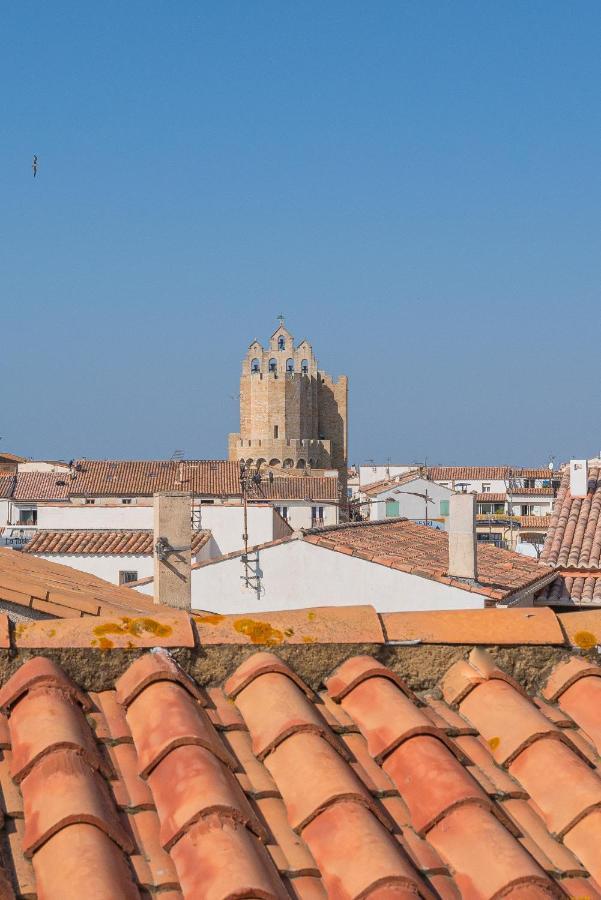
<point x="277" y="676"/>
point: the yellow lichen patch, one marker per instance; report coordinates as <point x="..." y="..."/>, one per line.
<point x="259" y="632"/>
<point x="210" y="619"/>
<point x="586" y="640"/>
<point x="20" y="628"/>
<point x="134" y="627"/>
<point x="51" y="632"/>
<point x="105" y="644"/>
<point x="289" y="632"/>
<point x="307" y="639"/>
<point x="493" y="743"/>
<point x="311" y="616"/>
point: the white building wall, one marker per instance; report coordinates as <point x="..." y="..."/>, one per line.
<point x="299" y="575"/>
<point x="409" y="506"/>
<point x="300" y="512"/>
<point x="87" y="518"/>
<point x="107" y="567"/>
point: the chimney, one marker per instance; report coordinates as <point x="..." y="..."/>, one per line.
<point x="172" y="548"/>
<point x="462" y="536"/>
<point x="578" y="477"/>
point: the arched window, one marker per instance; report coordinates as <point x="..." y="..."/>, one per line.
<point x="260" y="462"/>
<point x="305" y="366"/>
<point x="300" y="464"/>
<point x="281" y="343"/>
<point x="274" y="462"/>
<point x="273" y="365"/>
<point x="290" y="365"/>
<point x="288" y="463"/>
<point x="255" y="365"/>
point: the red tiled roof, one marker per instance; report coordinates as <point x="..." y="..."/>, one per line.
<point x="295" y="488"/>
<point x="145" y="477"/>
<point x="101" y="542"/>
<point x="491" y="498"/>
<point x="62" y="591"/>
<point x="263" y="785"/>
<point x="401" y="544"/>
<point x="482" y="473"/>
<point x="377" y="487"/>
<point x="7" y="485"/>
<point x="541" y="522"/>
<point x="573" y="544"/>
<point x="41" y="486"/>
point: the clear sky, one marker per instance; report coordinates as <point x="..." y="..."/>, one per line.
<point x="415" y="185"/>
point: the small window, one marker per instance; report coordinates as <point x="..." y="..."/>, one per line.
<point x="126" y="500"/>
<point x="392" y="508"/>
<point x="317" y="515"/>
<point x="290" y="365"/>
<point x="89" y="501"/>
<point x="275" y="431"/>
<point x="485" y="488"/>
<point x="273" y="365"/>
<point x="281" y="343"/>
<point x="444" y="507"/>
<point x="283" y="511"/>
<point x="255" y="365"/>
<point x="305" y="366"/>
<point x="126" y="576"/>
<point x="28" y="517"/>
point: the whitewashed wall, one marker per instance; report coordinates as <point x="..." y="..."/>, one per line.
<point x="53" y="516"/>
<point x="371" y="474"/>
<point x="107" y="567"/>
<point x="299" y="513"/>
<point x="297" y="575"/>
<point x="409" y="506"/>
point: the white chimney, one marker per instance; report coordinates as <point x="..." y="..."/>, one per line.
<point x="578" y="477"/>
<point x="462" y="536"/>
<point x="172" y="549"/>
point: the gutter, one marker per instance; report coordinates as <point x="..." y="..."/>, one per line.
<point x="529" y="590"/>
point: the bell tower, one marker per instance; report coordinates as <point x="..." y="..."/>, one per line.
<point x="291" y="414"/>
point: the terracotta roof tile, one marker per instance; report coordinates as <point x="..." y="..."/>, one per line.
<point x="61" y="590"/>
<point x="477" y="626"/>
<point x="7" y="485"/>
<point x="101" y="542"/>
<point x="116" y="478"/>
<point x="482" y="473"/>
<point x="308" y="487"/>
<point x="36" y="486"/>
<point x="399" y="543"/>
<point x="172" y="787"/>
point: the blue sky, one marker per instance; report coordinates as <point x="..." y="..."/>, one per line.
<point x="415" y="185"/>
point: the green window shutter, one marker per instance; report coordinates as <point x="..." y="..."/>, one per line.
<point x="444" y="507"/>
<point x="392" y="508"/>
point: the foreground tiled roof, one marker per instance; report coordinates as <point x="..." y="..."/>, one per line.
<point x="101" y="542"/>
<point x="260" y="784"/>
<point x="401" y="544"/>
<point x="145" y="477"/>
<point x="573" y="543"/>
<point x="41" y="486"/>
<point x="378" y="487"/>
<point x="297" y="488"/>
<point x="46" y="587"/>
<point x="482" y="473"/>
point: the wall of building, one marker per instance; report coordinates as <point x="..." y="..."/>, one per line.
<point x="113" y="517"/>
<point x="297" y="575"/>
<point x="300" y="513"/>
<point x="409" y="506"/>
<point x="107" y="567"/>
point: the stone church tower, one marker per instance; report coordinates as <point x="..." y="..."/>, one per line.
<point x="291" y="414"/>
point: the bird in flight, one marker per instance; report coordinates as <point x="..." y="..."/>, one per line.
<point x="34" y="165"/>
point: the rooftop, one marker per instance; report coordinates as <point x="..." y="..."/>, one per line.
<point x="101" y="542"/>
<point x="145" y="477"/>
<point x="33" y="586"/>
<point x="41" y="486"/>
<point x="306" y="754"/>
<point x="424" y="551"/>
<point x="484" y="473"/>
<point x="573" y="544"/>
